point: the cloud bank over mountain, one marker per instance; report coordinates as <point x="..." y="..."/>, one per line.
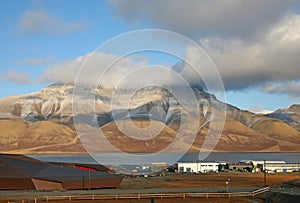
<point x="271" y="59"/>
<point x="198" y="18"/>
<point x="253" y="43"/>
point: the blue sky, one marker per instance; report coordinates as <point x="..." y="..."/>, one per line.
<point x="254" y="44"/>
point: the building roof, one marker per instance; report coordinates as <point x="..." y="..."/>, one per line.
<point x="13" y="167"/>
<point x="267" y="162"/>
<point x="19" y="166"/>
<point x="204" y="162"/>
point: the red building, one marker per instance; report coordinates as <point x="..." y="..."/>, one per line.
<point x="18" y="172"/>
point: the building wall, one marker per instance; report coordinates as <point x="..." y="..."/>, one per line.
<point x="275" y="166"/>
<point x="282" y="167"/>
<point x="93" y="183"/>
<point x="16" y="184"/>
<point x="46" y="185"/>
<point x="187" y="167"/>
<point x="200" y="167"/>
<point x="208" y="167"/>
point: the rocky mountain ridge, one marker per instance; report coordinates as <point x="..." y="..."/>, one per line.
<point x="43" y="122"/>
<point x="290" y="115"/>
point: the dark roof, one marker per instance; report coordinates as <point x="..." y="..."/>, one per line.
<point x="97" y="167"/>
<point x="61" y="173"/>
<point x="20" y="172"/>
<point x="25" y="166"/>
<point x="19" y="166"/>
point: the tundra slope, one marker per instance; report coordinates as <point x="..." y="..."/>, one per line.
<point x="43" y="122"/>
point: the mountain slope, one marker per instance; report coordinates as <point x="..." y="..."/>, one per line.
<point x="290" y="115"/>
<point x="43" y="122"/>
<point x="39" y="137"/>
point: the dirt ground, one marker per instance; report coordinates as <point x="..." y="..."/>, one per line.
<point x="170" y="181"/>
<point x="209" y="180"/>
<point x="173" y="200"/>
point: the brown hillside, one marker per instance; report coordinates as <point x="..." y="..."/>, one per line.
<point x="38" y="137"/>
<point x="151" y="139"/>
<point x="287" y="137"/>
<point x="48" y="137"/>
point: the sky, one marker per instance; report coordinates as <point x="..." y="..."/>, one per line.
<point x="255" y="45"/>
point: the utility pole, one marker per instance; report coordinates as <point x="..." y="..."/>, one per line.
<point x="89" y="186"/>
<point x="265" y="174"/>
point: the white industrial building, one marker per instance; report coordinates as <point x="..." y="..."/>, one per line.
<point x="199" y="167"/>
<point x="275" y="166"/>
<point x="258" y="166"/>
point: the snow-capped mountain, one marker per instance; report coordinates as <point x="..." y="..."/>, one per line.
<point x="43" y="122"/>
<point x="290" y="115"/>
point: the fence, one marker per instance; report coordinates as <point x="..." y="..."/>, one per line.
<point x="146" y="196"/>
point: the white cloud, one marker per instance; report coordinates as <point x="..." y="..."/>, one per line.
<point x="252" y="42"/>
<point x="109" y="71"/>
<point x="241" y="63"/>
<point x="259" y="109"/>
<point x="37" y="61"/>
<point x="40" y="21"/>
<point x="291" y="88"/>
<point x="90" y="68"/>
<point x="256" y="42"/>
<point x="197" y="17"/>
<point x="18" y="77"/>
<point x="64" y="72"/>
<point x="272" y="57"/>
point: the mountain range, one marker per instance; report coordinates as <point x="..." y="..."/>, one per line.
<point x="43" y="122"/>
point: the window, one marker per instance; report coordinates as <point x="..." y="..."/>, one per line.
<point x="181" y="169"/>
<point x="188" y="170"/>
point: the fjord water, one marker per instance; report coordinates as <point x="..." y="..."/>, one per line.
<point x="215" y="156"/>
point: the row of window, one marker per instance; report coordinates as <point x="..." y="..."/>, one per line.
<point x="188" y="169"/>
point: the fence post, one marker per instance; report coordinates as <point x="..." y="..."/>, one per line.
<point x="183" y="195"/>
<point x="35" y="201"/>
